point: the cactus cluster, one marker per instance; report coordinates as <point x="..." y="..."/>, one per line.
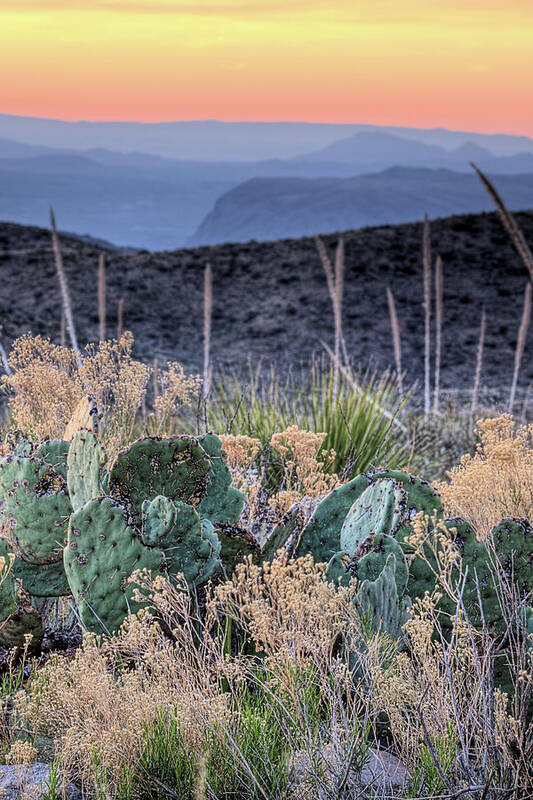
<point x="362" y="529"/>
<point x="166" y="505"/>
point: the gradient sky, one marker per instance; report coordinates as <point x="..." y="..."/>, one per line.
<point x="464" y="64"/>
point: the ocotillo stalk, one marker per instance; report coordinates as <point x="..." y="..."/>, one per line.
<point x="477" y="376"/>
<point x="101" y="296"/>
<point x="521" y="343"/>
<point x="395" y="337"/>
<point x="67" y="308"/>
<point x="207" y="329"/>
<point x="438" y="331"/>
<point x="427" y="314"/>
<point x="62" y="329"/>
<point x="120" y="319"/>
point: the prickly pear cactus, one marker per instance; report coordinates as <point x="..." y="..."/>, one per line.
<point x="84" y="464"/>
<point x="380" y="599"/>
<point x="43" y="580"/>
<point x="54" y="452"/>
<point x="177" y="468"/>
<point x="102" y="551"/>
<point x="380" y="509"/>
<point x="191" y="546"/>
<point x="321" y="537"/>
<point x="286" y="534"/>
<point x="158" y="518"/>
<point x="222" y="502"/>
<point x="36" y="506"/>
<point x="23" y="622"/>
<point x="370" y="565"/>
<point x="236" y="544"/>
<point x="421" y="496"/>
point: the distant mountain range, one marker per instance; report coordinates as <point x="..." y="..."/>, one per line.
<point x="279" y="208"/>
<point x="158" y="186"/>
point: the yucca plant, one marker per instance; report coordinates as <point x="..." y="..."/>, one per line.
<point x="362" y="421"/>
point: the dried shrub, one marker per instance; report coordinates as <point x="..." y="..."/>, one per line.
<point x="497" y="481"/>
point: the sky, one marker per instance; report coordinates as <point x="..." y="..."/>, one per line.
<point x="463" y="64"/>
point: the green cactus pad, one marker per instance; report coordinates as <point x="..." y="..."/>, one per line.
<point x="177" y="468"/>
<point x="286" y="534"/>
<point x="370" y="565"/>
<point x="321" y="536"/>
<point x="191" y="547"/>
<point x="35" y="499"/>
<point x="43" y="580"/>
<point x="102" y="552"/>
<point x="84" y="463"/>
<point x="222" y="502"/>
<point x="421" y="496"/>
<point x="54" y="452"/>
<point x="236" y="544"/>
<point x="380" y="509"/>
<point x="379" y="598"/>
<point x="158" y="518"/>
<point x="337" y="571"/>
<point x="25" y="620"/>
<point x="512" y="540"/>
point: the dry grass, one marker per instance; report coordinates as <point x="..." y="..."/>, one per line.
<point x="497" y="481"/>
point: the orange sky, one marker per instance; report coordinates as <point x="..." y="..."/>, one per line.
<point x="456" y="63"/>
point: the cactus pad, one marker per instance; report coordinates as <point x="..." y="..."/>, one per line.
<point x="236" y="544"/>
<point x="34" y="497"/>
<point x="177" y="468"/>
<point x="85" y="415"/>
<point x="158" y="518"/>
<point x="43" y="580"/>
<point x="379" y="509"/>
<point x="421" y="496"/>
<point x="322" y="534"/>
<point x="380" y="599"/>
<point x="222" y="502"/>
<point x="286" y="534"/>
<point x="102" y="552"/>
<point x="191" y="547"/>
<point x="369" y="566"/>
<point x="84" y="463"/>
<point x="54" y="452"/>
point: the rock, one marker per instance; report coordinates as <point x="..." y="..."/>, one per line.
<point x="383" y="771"/>
<point x="29" y="781"/>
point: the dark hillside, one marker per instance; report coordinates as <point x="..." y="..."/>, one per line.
<point x="271" y="301"/>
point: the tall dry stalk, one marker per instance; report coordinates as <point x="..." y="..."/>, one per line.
<point x="3" y="356"/>
<point x="477" y="376"/>
<point x="67" y="308"/>
<point x="120" y="319"/>
<point x="521" y="343"/>
<point x="395" y="337"/>
<point x="62" y="336"/>
<point x="335" y="281"/>
<point x="101" y="296"/>
<point x="525" y="406"/>
<point x="438" y="331"/>
<point x="156" y="379"/>
<point x="208" y="302"/>
<point x="509" y="222"/>
<point x="426" y="257"/>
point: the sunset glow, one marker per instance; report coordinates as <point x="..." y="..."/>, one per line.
<point x="457" y="63"/>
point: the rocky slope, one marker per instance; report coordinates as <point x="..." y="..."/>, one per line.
<point x="270" y="300"/>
